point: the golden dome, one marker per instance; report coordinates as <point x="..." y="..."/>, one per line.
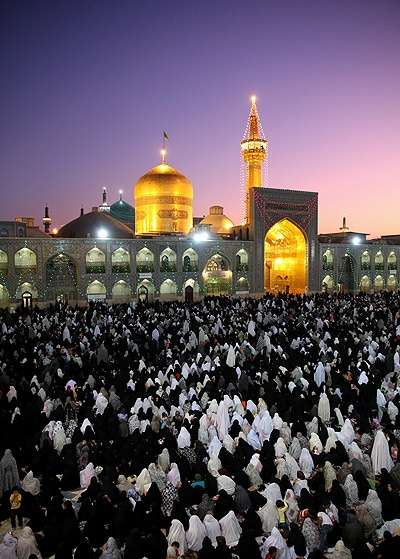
<point x="218" y="222"/>
<point x="163" y="202"/>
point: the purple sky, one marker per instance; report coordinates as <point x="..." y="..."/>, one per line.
<point x="87" y="88"/>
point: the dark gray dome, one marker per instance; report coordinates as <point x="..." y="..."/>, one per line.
<point x="95" y="225"/>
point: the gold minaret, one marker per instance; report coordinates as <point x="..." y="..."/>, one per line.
<point x="254" y="148"/>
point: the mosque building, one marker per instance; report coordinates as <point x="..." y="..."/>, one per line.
<point x="156" y="249"/>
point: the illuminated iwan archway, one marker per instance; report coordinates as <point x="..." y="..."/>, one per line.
<point x="285" y="258"/>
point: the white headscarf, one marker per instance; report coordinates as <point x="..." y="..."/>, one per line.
<point x="212" y="527"/>
<point x="324" y="408"/>
<point x="86" y="475"/>
<point x="143" y="481"/>
<point x="177" y="534"/>
<point x="31" y="484"/>
<point x="319" y="375"/>
<point x="227" y="484"/>
<point x="183" y="438"/>
<point x="230" y="529"/>
<point x="174" y="475"/>
<point x="380" y="454"/>
<point x="306" y="462"/>
<point x="195" y="534"/>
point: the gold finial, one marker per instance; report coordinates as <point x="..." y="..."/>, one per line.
<point x="163" y="155"/>
<point x="253" y="99"/>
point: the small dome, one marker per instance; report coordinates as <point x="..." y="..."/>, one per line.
<point x="218" y="222"/>
<point x="163" y="202"/>
<point x="123" y="211"/>
<point x="95" y="225"/>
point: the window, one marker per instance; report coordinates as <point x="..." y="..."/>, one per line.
<point x="95" y="261"/>
<point x="120" y="261"/>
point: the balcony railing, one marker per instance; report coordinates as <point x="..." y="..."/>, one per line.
<point x="95" y="268"/>
<point x="242" y="267"/>
<point x="365" y="266"/>
<point x="121" y="268"/>
<point x="379" y="267"/>
<point x="145" y="268"/>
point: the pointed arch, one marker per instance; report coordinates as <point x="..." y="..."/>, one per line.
<point x="96" y="291"/>
<point x="365" y="284"/>
<point x="120" y="261"/>
<point x="25" y="260"/>
<point x="121" y="292"/>
<point x="365" y="260"/>
<point x="168" y="289"/>
<point x="168" y="260"/>
<point x="3" y="262"/>
<point x="217" y="275"/>
<point x="327" y="260"/>
<point x="190" y="260"/>
<point x="242" y="260"/>
<point x="26" y="287"/>
<point x="95" y="261"/>
<point x="328" y="284"/>
<point x="285" y="258"/>
<point x="392" y="283"/>
<point x="144" y="260"/>
<point x="242" y="285"/>
<point x="378" y="283"/>
<point x="4" y="296"/>
<point x="392" y="261"/>
<point x="379" y="261"/>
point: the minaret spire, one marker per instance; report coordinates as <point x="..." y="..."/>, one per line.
<point x="254" y="148"/>
<point x="46" y="220"/>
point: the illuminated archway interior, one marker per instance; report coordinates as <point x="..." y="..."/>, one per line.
<point x="217" y="276"/>
<point x="285" y="258"/>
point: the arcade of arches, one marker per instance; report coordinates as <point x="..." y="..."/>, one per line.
<point x="285" y="258"/>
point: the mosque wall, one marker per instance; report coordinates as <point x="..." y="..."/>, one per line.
<point x="365" y="267"/>
<point x="114" y="269"/>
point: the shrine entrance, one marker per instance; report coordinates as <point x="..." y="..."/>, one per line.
<point x="285" y="258"/>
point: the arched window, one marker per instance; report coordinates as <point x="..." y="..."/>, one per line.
<point x="3" y="262"/>
<point x="217" y="276"/>
<point x="379" y="265"/>
<point x="242" y="286"/>
<point x="190" y="261"/>
<point x="96" y="291"/>
<point x="25" y="260"/>
<point x="365" y="284"/>
<point x="144" y="261"/>
<point x="4" y="296"/>
<point x="121" y="291"/>
<point x="120" y="261"/>
<point x="327" y="260"/>
<point x="26" y="287"/>
<point x="168" y="260"/>
<point x="168" y="289"/>
<point x="242" y="261"/>
<point x="392" y="261"/>
<point x="95" y="261"/>
<point x="392" y="283"/>
<point x="378" y="284"/>
<point x="365" y="260"/>
<point x="327" y="284"/>
<point x="145" y="291"/>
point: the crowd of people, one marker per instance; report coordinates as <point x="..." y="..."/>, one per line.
<point x="250" y="428"/>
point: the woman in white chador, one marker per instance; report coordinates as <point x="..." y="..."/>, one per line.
<point x="195" y="534"/>
<point x="380" y="454"/>
<point x="230" y="529"/>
